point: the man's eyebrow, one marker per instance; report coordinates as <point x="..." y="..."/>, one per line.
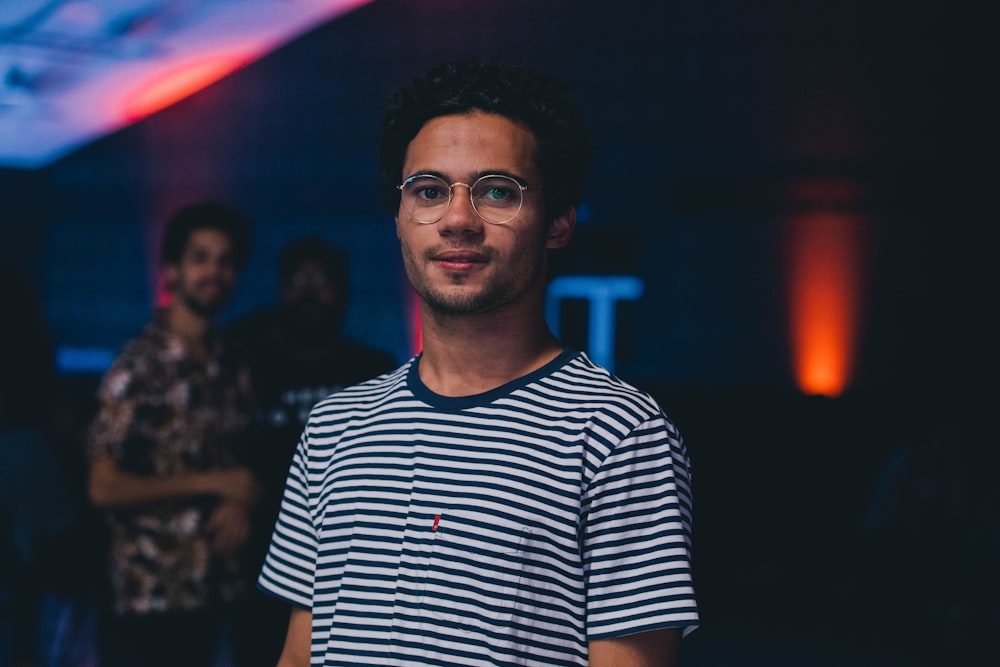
<point x="472" y="179"/>
<point x="425" y="172"/>
<point x="502" y="172"/>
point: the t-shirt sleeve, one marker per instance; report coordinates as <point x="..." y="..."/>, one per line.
<point x="636" y="536"/>
<point x="289" y="568"/>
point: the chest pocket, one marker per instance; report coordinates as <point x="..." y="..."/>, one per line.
<point x="473" y="571"/>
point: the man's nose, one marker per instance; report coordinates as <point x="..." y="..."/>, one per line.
<point x="461" y="215"/>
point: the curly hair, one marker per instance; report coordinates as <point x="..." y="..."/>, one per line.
<point x="512" y="90"/>
<point x="205" y="215"/>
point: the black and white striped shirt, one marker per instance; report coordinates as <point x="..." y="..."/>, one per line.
<point x="507" y="528"/>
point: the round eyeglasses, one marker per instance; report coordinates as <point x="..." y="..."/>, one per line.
<point x="497" y="199"/>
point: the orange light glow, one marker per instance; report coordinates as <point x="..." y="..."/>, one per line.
<point x="180" y="82"/>
<point x="825" y="277"/>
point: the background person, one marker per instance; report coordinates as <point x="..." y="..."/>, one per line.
<point x="298" y="355"/>
<point x="164" y="454"/>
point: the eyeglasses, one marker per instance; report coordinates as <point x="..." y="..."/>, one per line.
<point x="497" y="199"/>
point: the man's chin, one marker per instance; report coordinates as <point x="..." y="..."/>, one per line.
<point x="460" y="304"/>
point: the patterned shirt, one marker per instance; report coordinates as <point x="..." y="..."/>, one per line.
<point x="162" y="413"/>
<point x="508" y="528"/>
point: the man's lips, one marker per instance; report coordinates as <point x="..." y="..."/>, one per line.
<point x="459" y="260"/>
<point x="211" y="289"/>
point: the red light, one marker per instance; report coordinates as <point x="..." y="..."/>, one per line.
<point x="416" y="327"/>
<point x="180" y="82"/>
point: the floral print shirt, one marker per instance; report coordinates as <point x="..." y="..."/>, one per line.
<point x="162" y="413"/>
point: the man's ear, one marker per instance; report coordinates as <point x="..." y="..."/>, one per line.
<point x="561" y="229"/>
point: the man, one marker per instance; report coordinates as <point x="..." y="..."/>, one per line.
<point x="164" y="456"/>
<point x="298" y="355"/>
<point x="297" y="350"/>
<point x="498" y="500"/>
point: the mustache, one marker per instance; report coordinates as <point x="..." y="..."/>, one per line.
<point x="211" y="282"/>
<point x="488" y="253"/>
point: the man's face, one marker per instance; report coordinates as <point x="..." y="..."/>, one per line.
<point x="310" y="283"/>
<point x="205" y="278"/>
<point x="310" y="302"/>
<point x="461" y="265"/>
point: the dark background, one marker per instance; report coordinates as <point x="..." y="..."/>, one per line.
<point x="857" y="530"/>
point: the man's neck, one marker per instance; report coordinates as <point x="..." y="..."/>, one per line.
<point x="189" y="326"/>
<point x="463" y="356"/>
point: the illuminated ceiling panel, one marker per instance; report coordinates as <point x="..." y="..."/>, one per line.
<point x="74" y="70"/>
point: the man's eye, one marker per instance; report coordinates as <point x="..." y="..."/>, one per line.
<point x="430" y="192"/>
<point x="498" y="193"/>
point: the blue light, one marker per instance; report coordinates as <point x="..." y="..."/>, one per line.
<point x="83" y="359"/>
<point x="601" y="292"/>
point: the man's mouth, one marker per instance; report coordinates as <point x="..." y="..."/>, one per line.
<point x="211" y="290"/>
<point x="459" y="260"/>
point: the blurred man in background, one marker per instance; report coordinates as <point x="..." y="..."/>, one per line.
<point x="298" y="355"/>
<point x="166" y="456"/>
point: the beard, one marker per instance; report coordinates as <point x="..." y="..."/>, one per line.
<point x="207" y="308"/>
<point x="496" y="291"/>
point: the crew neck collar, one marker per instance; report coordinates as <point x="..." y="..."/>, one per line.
<point x="457" y="403"/>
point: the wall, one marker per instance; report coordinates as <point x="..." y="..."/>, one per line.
<point x="703" y="115"/>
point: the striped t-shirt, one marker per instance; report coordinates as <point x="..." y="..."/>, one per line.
<point x="505" y="528"/>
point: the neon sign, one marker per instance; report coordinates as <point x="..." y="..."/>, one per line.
<point x="601" y="293"/>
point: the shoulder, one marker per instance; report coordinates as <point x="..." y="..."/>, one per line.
<point x="132" y="359"/>
<point x="130" y="355"/>
<point x="251" y="331"/>
<point x="590" y="386"/>
<point x="252" y="324"/>
<point x="141" y="358"/>
<point x="378" y="393"/>
<point x="359" y="408"/>
<point x="154" y="343"/>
